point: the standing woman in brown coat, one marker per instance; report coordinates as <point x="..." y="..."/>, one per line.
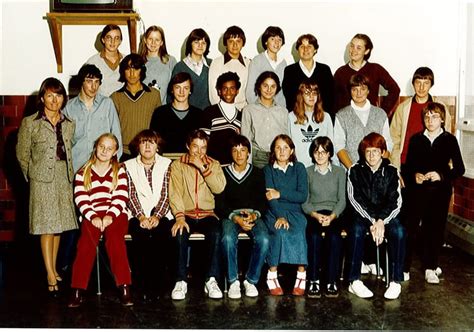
<point x="44" y="153"/>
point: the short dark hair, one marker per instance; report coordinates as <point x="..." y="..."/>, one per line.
<point x="358" y="80"/>
<point x="133" y="60"/>
<point x="234" y="32"/>
<point x="368" y="44"/>
<point x="107" y="29"/>
<point x="196" y="134"/>
<point x="180" y="78"/>
<point x="372" y="140"/>
<point x="54" y="85"/>
<point x="146" y="135"/>
<point x="89" y="71"/>
<point x="423" y="73"/>
<point x="262" y="77"/>
<point x="287" y="139"/>
<point x="236" y="140"/>
<point x="324" y="142"/>
<point x="311" y="39"/>
<point x="433" y="107"/>
<point x="226" y="77"/>
<point x="197" y="34"/>
<point x="272" y="31"/>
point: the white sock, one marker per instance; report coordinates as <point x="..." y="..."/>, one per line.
<point x="272" y="274"/>
<point x="300" y="281"/>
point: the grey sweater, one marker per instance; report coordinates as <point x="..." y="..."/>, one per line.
<point x="326" y="192"/>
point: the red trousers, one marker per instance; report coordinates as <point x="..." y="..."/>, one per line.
<point x="114" y="245"/>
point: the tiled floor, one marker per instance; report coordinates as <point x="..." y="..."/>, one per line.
<point x="448" y="306"/>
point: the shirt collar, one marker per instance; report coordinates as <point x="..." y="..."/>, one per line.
<point x="432" y="139"/>
<point x="278" y="60"/>
<point x="190" y="61"/>
<point x="227" y="58"/>
<point x="139" y="161"/>
<point x="305" y="70"/>
<point x="97" y="99"/>
<point x="430" y="99"/>
<point x="260" y="103"/>
<point x="235" y="172"/>
<point x="112" y="66"/>
<point x="329" y="169"/>
<point x="276" y="166"/>
<point x="42" y="116"/>
<point x="366" y="106"/>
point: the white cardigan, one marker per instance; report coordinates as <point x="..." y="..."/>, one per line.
<point x="148" y="198"/>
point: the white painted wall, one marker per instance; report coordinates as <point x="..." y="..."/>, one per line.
<point x="406" y="34"/>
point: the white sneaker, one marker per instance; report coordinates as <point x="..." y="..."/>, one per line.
<point x="358" y="288"/>
<point x="179" y="291"/>
<point x="250" y="289"/>
<point x="364" y="269"/>
<point x="439" y="273"/>
<point x="234" y="290"/>
<point x="211" y="288"/>
<point x="373" y="269"/>
<point x="431" y="277"/>
<point x="406" y="276"/>
<point x="393" y="291"/>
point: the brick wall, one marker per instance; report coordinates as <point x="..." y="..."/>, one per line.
<point x="14" y="190"/>
<point x="463" y="205"/>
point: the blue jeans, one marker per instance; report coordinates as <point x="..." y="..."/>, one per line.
<point x="332" y="248"/>
<point x="211" y="228"/>
<point x="261" y="242"/>
<point x="396" y="237"/>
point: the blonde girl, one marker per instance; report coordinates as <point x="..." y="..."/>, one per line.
<point x="101" y="195"/>
<point x="159" y="64"/>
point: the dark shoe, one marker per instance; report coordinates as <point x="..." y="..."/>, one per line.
<point x="332" y="290"/>
<point x="53" y="290"/>
<point x="314" y="291"/>
<point x="125" y="296"/>
<point x="76" y="299"/>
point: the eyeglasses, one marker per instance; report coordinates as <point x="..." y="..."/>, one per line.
<point x="320" y="153"/>
<point x="432" y="117"/>
<point x="373" y="152"/>
<point x="310" y="92"/>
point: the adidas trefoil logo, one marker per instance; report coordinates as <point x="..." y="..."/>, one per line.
<point x="309" y="134"/>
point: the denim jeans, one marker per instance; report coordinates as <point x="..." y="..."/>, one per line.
<point x="319" y="248"/>
<point x="211" y="228"/>
<point x="396" y="238"/>
<point x="261" y="242"/>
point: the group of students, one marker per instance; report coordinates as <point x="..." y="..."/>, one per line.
<point x="256" y="157"/>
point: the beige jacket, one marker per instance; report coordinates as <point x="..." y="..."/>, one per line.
<point x="36" y="148"/>
<point x="398" y="128"/>
<point x="192" y="191"/>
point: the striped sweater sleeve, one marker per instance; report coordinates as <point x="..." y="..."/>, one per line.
<point x="119" y="196"/>
<point x="82" y="198"/>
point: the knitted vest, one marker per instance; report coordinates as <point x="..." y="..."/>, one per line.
<point x="356" y="131"/>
